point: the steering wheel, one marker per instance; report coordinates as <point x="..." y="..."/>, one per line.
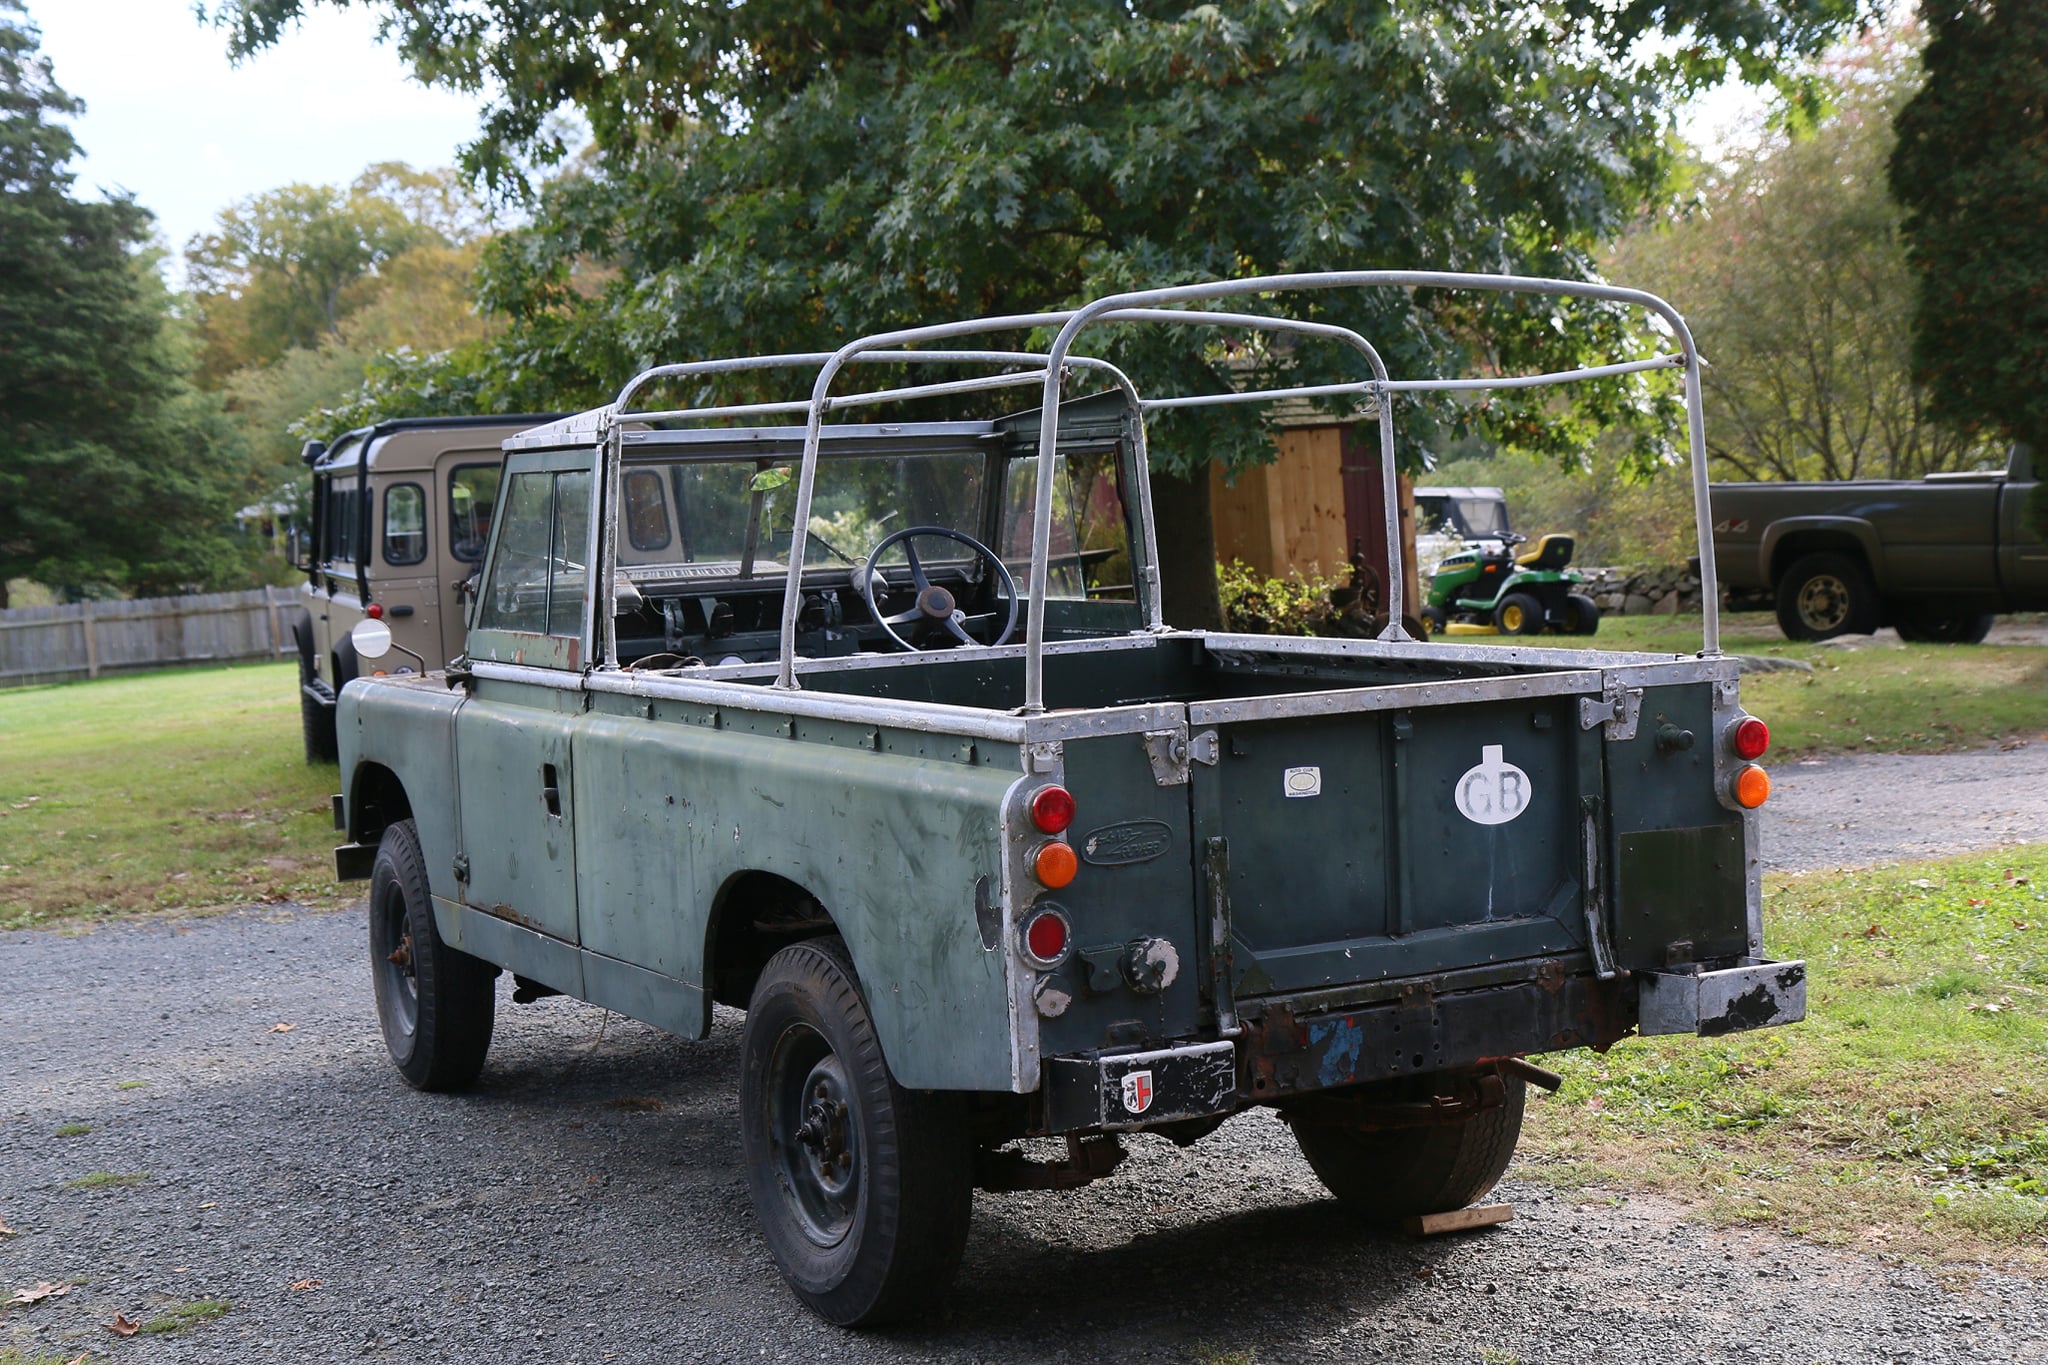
<point x="935" y="604"/>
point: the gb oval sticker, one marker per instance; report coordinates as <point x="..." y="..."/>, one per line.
<point x="1493" y="792"/>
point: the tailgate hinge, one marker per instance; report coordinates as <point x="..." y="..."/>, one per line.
<point x="1170" y="751"/>
<point x="1617" y="708"/>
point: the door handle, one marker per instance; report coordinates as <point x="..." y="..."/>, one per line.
<point x="551" y="790"/>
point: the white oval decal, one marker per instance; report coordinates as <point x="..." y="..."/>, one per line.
<point x="1495" y="791"/>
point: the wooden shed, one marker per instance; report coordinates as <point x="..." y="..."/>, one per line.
<point x="1317" y="506"/>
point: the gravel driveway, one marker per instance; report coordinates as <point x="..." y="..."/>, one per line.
<point x="586" y="1203"/>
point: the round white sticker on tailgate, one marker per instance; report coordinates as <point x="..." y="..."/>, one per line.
<point x="1495" y="791"/>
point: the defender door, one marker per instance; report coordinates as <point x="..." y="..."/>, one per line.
<point x="512" y="739"/>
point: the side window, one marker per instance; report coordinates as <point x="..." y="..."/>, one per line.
<point x="539" y="576"/>
<point x="405" y="524"/>
<point x="646" y="510"/>
<point x="341" y="520"/>
<point x="472" y="496"/>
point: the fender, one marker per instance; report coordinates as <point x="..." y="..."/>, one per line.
<point x="1835" y="528"/>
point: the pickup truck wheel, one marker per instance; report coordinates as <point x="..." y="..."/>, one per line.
<point x="1519" y="613"/>
<point x="862" y="1188"/>
<point x="316" y="724"/>
<point x="435" y="1005"/>
<point x="1934" y="628"/>
<point x="1400" y="1172"/>
<point x="1824" y="595"/>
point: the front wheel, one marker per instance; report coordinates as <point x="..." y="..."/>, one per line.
<point x="862" y="1188"/>
<point x="435" y="1005"/>
<point x="1519" y="613"/>
<point x="1400" y="1171"/>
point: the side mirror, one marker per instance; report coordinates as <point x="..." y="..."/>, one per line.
<point x="372" y="639"/>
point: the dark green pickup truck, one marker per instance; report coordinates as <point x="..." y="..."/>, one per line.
<point x="1938" y="557"/>
<point x="874" y="728"/>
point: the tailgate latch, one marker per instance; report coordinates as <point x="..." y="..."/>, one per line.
<point x="1170" y="752"/>
<point x="1617" y="708"/>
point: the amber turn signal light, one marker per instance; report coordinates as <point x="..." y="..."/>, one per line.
<point x="1752" y="787"/>
<point x="1055" y="864"/>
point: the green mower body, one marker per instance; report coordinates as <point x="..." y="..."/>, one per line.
<point x="1511" y="591"/>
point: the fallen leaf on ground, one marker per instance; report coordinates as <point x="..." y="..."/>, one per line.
<point x="282" y="1028"/>
<point x="301" y="1286"/>
<point x="121" y="1327"/>
<point x="1875" y="931"/>
<point x="6" y="1231"/>
<point x="1922" y="882"/>
<point x="41" y="1291"/>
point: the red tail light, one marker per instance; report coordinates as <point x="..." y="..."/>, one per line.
<point x="1052" y="809"/>
<point x="1046" y="935"/>
<point x="375" y="611"/>
<point x="1750" y="738"/>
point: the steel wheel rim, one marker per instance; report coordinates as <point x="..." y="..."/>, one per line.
<point x="391" y="946"/>
<point x="1823" y="602"/>
<point x="813" y="1136"/>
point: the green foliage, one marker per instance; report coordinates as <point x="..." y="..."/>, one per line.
<point x="283" y="268"/>
<point x="770" y="176"/>
<point x="1789" y="267"/>
<point x="113" y="470"/>
<point x="179" y="1316"/>
<point x="1299" y="604"/>
<point x="1971" y="170"/>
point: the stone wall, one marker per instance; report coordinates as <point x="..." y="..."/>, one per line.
<point x="1643" y="591"/>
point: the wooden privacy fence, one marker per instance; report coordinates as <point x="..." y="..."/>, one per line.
<point x="87" y="639"/>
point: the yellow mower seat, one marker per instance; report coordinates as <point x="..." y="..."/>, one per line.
<point x="1547" y="552"/>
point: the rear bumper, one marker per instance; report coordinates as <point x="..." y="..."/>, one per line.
<point x="1757" y="994"/>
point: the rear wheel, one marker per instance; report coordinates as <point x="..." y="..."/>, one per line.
<point x="1519" y="613"/>
<point x="862" y="1188"/>
<point x="1932" y="626"/>
<point x="1581" y="614"/>
<point x="435" y="1005"/>
<point x="1405" y="1169"/>
<point x="1824" y="595"/>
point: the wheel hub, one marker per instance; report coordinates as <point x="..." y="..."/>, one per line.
<point x="1824" y="602"/>
<point x="818" y="1156"/>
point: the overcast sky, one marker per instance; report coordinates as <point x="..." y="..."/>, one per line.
<point x="169" y="118"/>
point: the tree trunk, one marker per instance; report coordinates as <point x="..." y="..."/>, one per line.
<point x="1187" y="551"/>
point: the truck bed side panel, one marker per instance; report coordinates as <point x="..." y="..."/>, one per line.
<point x="870" y="834"/>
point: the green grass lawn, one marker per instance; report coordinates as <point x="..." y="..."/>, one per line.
<point x="1890" y="699"/>
<point x="152" y="791"/>
<point x="1909" y="1112"/>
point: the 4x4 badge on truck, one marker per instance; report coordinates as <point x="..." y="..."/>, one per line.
<point x="1493" y="792"/>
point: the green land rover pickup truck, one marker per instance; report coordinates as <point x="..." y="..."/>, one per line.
<point x="871" y="726"/>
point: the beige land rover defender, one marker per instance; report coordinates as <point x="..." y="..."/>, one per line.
<point x="401" y="513"/>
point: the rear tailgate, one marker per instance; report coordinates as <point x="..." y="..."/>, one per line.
<point x="1363" y="834"/>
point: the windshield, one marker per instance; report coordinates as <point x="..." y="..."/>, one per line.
<point x="722" y="519"/>
<point x="1480" y="518"/>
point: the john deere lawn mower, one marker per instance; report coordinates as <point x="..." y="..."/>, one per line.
<point x="1522" y="588"/>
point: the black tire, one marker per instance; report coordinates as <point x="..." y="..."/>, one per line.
<point x="1519" y="613"/>
<point x="862" y="1189"/>
<point x="1824" y="595"/>
<point x="434" y="1004"/>
<point x="316" y="724"/>
<point x="1581" y="614"/>
<point x="1927" y="626"/>
<point x="1435" y="620"/>
<point x="1390" y="1173"/>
